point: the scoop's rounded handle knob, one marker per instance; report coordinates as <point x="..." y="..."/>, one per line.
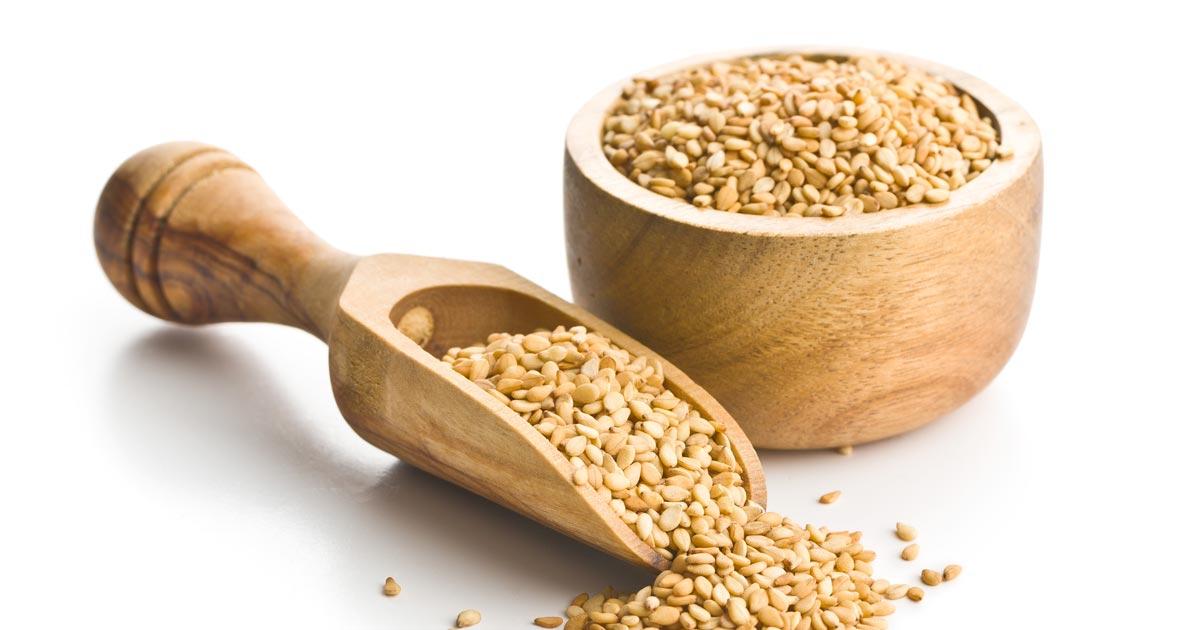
<point x="191" y="234"/>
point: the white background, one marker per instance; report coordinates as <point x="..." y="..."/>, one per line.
<point x="155" y="477"/>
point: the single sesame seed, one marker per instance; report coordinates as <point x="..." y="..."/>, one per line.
<point x="931" y="577"/>
<point x="830" y="497"/>
<point x="897" y="591"/>
<point x="937" y="195"/>
<point x="390" y="587"/>
<point x="467" y="618"/>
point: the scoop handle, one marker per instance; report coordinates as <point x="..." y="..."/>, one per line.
<point x="191" y="234"/>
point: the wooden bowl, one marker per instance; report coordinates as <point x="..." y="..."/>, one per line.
<point x="815" y="332"/>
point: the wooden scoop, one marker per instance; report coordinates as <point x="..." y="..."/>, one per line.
<point x="190" y="234"/>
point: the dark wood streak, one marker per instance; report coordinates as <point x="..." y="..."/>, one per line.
<point x="161" y="223"/>
<point x="191" y="234"/>
<point x="221" y="266"/>
<point x="120" y="207"/>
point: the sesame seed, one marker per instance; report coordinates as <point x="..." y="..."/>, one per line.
<point x="467" y="618"/>
<point x="390" y="587"/>
<point x="931" y="577"/>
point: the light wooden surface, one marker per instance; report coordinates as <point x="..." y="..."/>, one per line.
<point x="190" y="234"/>
<point x="815" y="332"/>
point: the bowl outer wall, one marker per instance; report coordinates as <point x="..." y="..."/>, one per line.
<point x="815" y="333"/>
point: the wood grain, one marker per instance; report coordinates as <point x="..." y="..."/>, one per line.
<point x="190" y="234"/>
<point x="813" y="332"/>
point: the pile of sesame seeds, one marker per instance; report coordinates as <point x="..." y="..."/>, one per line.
<point x="673" y="477"/>
<point x="800" y="136"/>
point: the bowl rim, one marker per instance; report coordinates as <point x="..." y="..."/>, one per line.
<point x="583" y="145"/>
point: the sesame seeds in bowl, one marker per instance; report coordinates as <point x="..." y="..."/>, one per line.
<point x="800" y="135"/>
